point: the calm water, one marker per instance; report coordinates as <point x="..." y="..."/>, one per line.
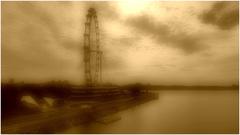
<point x="176" y="111"/>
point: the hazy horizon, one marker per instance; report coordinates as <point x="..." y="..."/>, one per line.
<point x="168" y="43"/>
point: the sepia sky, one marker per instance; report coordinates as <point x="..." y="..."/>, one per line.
<point x="185" y="43"/>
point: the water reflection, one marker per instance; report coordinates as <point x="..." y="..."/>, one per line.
<point x="176" y="111"/>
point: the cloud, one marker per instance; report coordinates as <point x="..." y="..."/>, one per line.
<point x="33" y="44"/>
<point x="222" y="14"/>
<point x="105" y="9"/>
<point x="43" y="41"/>
<point x="113" y="63"/>
<point x="163" y="34"/>
<point x="40" y="16"/>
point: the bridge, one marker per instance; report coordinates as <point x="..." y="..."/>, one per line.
<point x="72" y="105"/>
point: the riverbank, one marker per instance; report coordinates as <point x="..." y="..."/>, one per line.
<point x="73" y="113"/>
<point x="175" y="112"/>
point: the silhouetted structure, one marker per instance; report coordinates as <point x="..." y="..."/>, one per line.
<point x="92" y="53"/>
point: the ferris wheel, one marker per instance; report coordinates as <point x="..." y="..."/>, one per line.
<point x="92" y="52"/>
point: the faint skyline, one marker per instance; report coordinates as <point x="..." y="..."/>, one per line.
<point x="186" y="43"/>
